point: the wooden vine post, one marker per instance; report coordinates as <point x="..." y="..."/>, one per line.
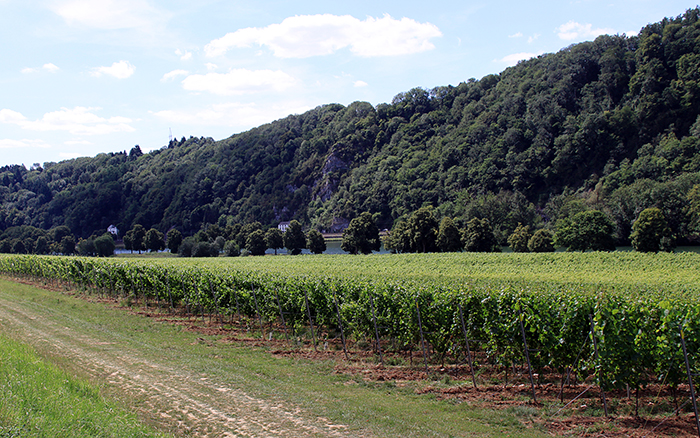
<point x="257" y="310"/>
<point x="422" y="338"/>
<point x="284" y="323"/>
<point x="376" y="330"/>
<point x="597" y="358"/>
<point x="308" y="312"/>
<point x="466" y="339"/>
<point x="340" y="323"/>
<point x="527" y="358"/>
<point x="690" y="380"/>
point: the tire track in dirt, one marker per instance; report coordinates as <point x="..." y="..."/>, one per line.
<point x="191" y="403"/>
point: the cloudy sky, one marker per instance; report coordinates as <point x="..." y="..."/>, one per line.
<point x="81" y="77"/>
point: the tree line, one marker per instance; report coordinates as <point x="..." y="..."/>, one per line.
<point x="613" y="123"/>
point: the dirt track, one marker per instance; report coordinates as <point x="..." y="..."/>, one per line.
<point x="169" y="394"/>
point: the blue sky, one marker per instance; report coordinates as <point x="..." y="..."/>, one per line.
<point x="81" y="77"/>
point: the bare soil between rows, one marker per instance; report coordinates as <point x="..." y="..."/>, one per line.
<point x="194" y="409"/>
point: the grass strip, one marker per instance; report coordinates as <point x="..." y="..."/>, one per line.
<point x="366" y="408"/>
<point x="37" y="399"/>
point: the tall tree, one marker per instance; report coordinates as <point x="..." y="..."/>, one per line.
<point x="448" y="237"/>
<point x="315" y="242"/>
<point x="361" y="236"/>
<point x="104" y="245"/>
<point x="174" y="240"/>
<point x="587" y="230"/>
<point x="649" y="231"/>
<point x="519" y="239"/>
<point x="479" y="237"/>
<point x="424" y="229"/>
<point x="154" y="241"/>
<point x="400" y="239"/>
<point x="294" y="238"/>
<point x="274" y="239"/>
<point x="541" y="241"/>
<point x="255" y="243"/>
<point x="136" y="236"/>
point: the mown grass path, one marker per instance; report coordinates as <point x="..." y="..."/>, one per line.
<point x="194" y="386"/>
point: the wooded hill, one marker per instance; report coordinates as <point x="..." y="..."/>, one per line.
<point x="610" y="124"/>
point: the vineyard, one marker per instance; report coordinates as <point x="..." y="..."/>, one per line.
<point x="618" y="320"/>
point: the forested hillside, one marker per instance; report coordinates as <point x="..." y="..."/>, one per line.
<point x="612" y="124"/>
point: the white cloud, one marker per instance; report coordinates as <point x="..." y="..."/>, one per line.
<point x="24" y="143"/>
<point x="576" y="31"/>
<point x="513" y="59"/>
<point x="303" y="36"/>
<point x="184" y="56"/>
<point x="77" y="121"/>
<point x="173" y="74"/>
<point x="210" y="66"/>
<point x="360" y="84"/>
<point x="516" y="35"/>
<point x="532" y="38"/>
<point x="120" y="70"/>
<point x="239" y="115"/>
<point x="11" y="117"/>
<point x="108" y="14"/>
<point x="239" y="81"/>
<point x="51" y="68"/>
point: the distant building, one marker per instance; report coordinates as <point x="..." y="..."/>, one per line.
<point x="114" y="230"/>
<point x="283" y="226"/>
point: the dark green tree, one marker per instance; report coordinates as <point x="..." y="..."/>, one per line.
<point x="449" y="238"/>
<point x="518" y="241"/>
<point x="135" y="236"/>
<point x="541" y="241"/>
<point x="361" y="236"/>
<point x="86" y="247"/>
<point x="255" y="243"/>
<point x="294" y="238"/>
<point x="479" y="237"/>
<point x="587" y="230"/>
<point x="245" y="230"/>
<point x="649" y="230"/>
<point x="154" y="241"/>
<point x="315" y="242"/>
<point x="42" y="245"/>
<point x="104" y="245"/>
<point x="424" y="229"/>
<point x="186" y="247"/>
<point x="18" y="247"/>
<point x="400" y="239"/>
<point x="274" y="239"/>
<point x="174" y="240"/>
<point x="220" y="242"/>
<point x="231" y="249"/>
<point x="67" y="246"/>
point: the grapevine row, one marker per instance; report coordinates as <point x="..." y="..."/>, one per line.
<point x="638" y="336"/>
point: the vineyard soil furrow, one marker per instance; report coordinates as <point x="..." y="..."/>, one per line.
<point x="186" y="401"/>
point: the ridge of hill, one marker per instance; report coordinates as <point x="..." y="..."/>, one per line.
<point x="614" y="121"/>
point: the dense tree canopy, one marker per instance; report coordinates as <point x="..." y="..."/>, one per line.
<point x="612" y="122"/>
<point x="649" y="231"/>
<point x="361" y="236"/>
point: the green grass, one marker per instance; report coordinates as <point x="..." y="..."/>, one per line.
<point x="37" y="399"/>
<point x="366" y="408"/>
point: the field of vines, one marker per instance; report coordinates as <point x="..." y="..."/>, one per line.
<point x="619" y="319"/>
